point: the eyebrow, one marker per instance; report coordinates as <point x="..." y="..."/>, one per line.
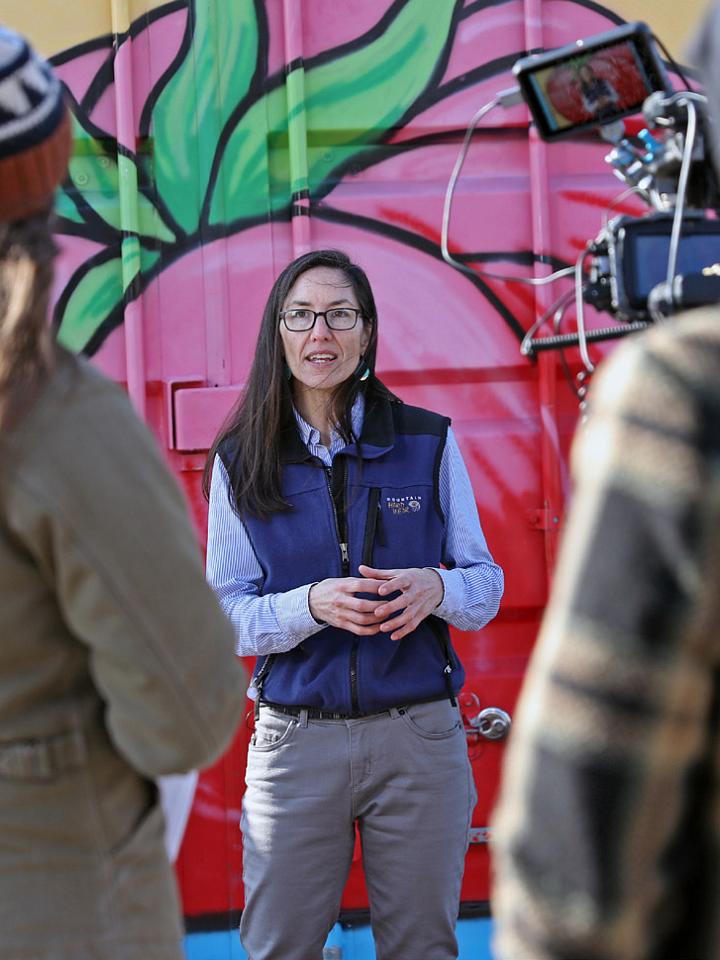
<point x="334" y="303"/>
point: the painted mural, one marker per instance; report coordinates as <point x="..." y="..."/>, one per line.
<point x="215" y="143"/>
<point x="216" y="140"/>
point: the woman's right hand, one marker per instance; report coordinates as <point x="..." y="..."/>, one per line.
<point x="333" y="601"/>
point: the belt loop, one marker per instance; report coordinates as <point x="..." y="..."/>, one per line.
<point x="303" y="717"/>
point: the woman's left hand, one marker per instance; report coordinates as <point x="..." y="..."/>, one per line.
<point x="421" y="590"/>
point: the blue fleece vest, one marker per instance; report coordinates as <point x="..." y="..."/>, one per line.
<point x="386" y="489"/>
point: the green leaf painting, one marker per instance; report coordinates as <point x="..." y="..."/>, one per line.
<point x="224" y="143"/>
<point x="97" y="293"/>
<point x="359" y="96"/>
<point x="190" y="113"/>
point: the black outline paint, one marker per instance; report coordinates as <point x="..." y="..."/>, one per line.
<point x="254" y="93"/>
<point x="169" y="253"/>
<point x="112" y="149"/>
<point x="364" y="39"/>
<point x="261" y="85"/>
<point x="277" y="79"/>
<point x="105" y="139"/>
<point x="297" y="64"/>
<point x="468" y="79"/>
<point x="100" y="230"/>
<point x="599" y="8"/>
<point x="368" y="157"/>
<point x="149" y="191"/>
<point x="444" y="59"/>
<point x="104" y="77"/>
<point x="418" y="242"/>
<point x="481" y="5"/>
<point x="157" y="13"/>
<point x="99" y="84"/>
<point x="166" y="76"/>
<point x="81" y="49"/>
<point x="97" y="259"/>
<point x="262" y="63"/>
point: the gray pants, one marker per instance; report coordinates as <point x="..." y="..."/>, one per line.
<point x="404" y="777"/>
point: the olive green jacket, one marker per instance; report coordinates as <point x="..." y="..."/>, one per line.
<point x="116" y="666"/>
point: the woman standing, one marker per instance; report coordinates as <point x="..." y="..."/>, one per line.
<point x="332" y="507"/>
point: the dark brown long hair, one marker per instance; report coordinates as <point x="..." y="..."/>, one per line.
<point x="27" y="346"/>
<point x="265" y="407"/>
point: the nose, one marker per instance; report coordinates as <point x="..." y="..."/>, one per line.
<point x="321" y="332"/>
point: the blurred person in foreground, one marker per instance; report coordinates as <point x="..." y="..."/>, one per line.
<point x="116" y="664"/>
<point x="607" y="840"/>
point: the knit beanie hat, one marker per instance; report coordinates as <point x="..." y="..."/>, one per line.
<point x="35" y="139"/>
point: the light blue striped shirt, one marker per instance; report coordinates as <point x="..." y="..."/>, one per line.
<point x="276" y="622"/>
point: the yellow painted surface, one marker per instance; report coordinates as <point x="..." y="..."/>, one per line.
<point x="55" y="25"/>
<point x="674" y="21"/>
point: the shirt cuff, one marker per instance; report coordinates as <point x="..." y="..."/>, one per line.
<point x="293" y="615"/>
<point x="452" y="596"/>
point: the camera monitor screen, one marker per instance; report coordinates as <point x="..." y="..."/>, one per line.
<point x="646" y="256"/>
<point x="591" y="83"/>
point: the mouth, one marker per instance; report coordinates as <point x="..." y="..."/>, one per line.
<point x="320" y="358"/>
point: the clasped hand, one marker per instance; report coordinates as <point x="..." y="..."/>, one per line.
<point x="335" y="600"/>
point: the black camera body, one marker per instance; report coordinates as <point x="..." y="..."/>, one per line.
<point x="629" y="261"/>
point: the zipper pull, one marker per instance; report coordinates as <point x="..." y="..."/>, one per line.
<point x="344" y="554"/>
<point x="380" y="526"/>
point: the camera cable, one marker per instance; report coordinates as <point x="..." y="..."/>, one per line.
<point x="506" y="98"/>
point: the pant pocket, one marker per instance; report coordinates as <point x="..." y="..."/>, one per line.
<point x="432" y="721"/>
<point x="272" y="730"/>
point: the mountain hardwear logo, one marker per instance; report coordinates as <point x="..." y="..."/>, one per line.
<point x="404" y="505"/>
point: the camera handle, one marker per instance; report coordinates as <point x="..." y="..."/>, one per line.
<point x="691" y="290"/>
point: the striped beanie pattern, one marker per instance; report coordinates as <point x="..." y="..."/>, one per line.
<point x="35" y="138"/>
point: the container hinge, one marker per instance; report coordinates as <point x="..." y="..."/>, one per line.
<point x="543" y="519"/>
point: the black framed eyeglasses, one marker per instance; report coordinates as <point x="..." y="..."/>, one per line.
<point x="301" y="319"/>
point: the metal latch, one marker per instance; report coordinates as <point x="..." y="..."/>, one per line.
<point x="493" y="723"/>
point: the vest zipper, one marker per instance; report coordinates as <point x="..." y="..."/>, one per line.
<point x="336" y="488"/>
<point x="380" y="525"/>
<point x="372" y="525"/>
<point x="336" y="485"/>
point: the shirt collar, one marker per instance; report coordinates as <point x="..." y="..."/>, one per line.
<point x="310" y="436"/>
<point x="374" y="425"/>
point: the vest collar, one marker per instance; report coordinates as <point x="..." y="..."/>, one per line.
<point x="378" y="433"/>
<point x="376" y="437"/>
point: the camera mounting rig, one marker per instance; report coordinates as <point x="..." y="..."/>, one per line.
<point x="638" y="269"/>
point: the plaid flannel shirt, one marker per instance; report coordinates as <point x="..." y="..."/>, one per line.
<point x="608" y="828"/>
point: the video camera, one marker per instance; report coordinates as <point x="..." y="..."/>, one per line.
<point x="638" y="268"/>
